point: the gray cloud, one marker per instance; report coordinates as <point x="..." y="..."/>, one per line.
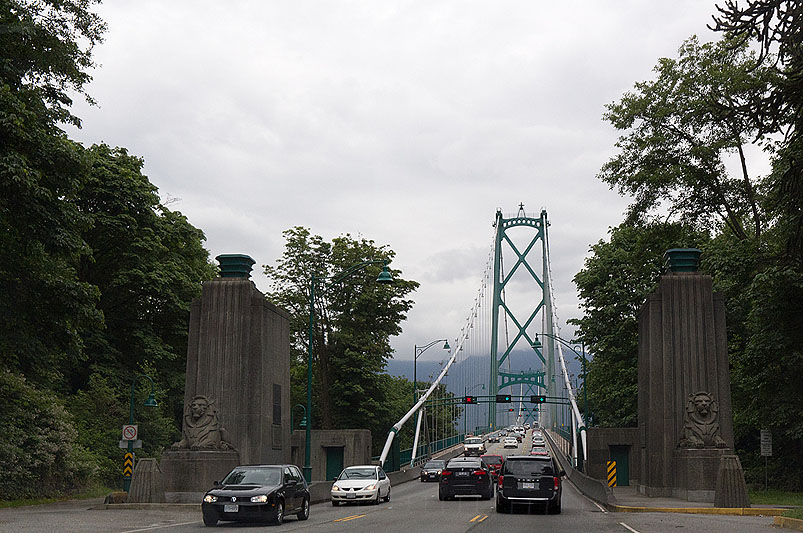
<point x="408" y="122"/>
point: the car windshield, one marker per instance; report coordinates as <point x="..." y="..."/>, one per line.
<point x="435" y="464"/>
<point x="254" y="476"/>
<point x="521" y="467"/>
<point x="473" y="440"/>
<point x="358" y="473"/>
<point x="492" y="459"/>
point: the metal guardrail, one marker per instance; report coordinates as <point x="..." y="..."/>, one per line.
<point x="427" y="450"/>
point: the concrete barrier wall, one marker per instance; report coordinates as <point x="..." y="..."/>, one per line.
<point x="321" y="491"/>
<point x="593" y="488"/>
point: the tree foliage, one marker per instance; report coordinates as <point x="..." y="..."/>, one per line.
<point x="96" y="276"/>
<point x="355" y="318"/>
<point x="679" y="129"/>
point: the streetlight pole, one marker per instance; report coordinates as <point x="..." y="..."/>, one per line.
<point x="585" y="384"/>
<point x="384" y="277"/>
<point x="417" y="351"/>
<point x="150" y="402"/>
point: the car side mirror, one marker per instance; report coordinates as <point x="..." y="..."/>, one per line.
<point x="334" y="478"/>
<point x="216" y="483"/>
<point x="562" y="473"/>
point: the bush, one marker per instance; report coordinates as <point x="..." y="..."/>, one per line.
<point x="39" y="455"/>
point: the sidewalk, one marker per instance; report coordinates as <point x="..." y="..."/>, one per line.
<point x="628" y="500"/>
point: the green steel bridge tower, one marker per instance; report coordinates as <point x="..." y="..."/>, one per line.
<point x="540" y="381"/>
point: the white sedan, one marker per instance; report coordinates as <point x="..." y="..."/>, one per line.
<point x="511" y="442"/>
<point x="361" y="483"/>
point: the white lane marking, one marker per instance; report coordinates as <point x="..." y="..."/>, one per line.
<point x="151" y="528"/>
<point x="628" y="527"/>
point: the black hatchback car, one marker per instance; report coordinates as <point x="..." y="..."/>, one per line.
<point x="258" y="493"/>
<point x="466" y="475"/>
<point x="529" y="480"/>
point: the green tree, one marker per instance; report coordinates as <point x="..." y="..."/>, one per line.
<point x="680" y="128"/>
<point x="148" y="263"/>
<point x="613" y="285"/>
<point x="45" y="51"/>
<point x="354" y="322"/>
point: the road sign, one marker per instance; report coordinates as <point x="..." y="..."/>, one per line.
<point x="134" y="444"/>
<point x="128" y="465"/>
<point x="611" y="473"/>
<point x="766" y="443"/>
<point x="130" y="432"/>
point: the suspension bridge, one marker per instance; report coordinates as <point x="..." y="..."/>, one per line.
<point x="507" y="365"/>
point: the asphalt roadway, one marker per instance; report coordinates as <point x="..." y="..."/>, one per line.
<point x="414" y="507"/>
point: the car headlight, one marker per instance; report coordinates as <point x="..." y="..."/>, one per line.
<point x="210" y="499"/>
<point x="262" y="498"/>
<point x="439" y="471"/>
<point x="370" y="487"/>
<point x="335" y="488"/>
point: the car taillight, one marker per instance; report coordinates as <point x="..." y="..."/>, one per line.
<point x="446" y="473"/>
<point x="480" y="472"/>
<point x="501" y="478"/>
<point x="557" y="483"/>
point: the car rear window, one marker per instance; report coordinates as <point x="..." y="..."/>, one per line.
<point x="473" y="440"/>
<point x="464" y="464"/>
<point x="492" y="459"/>
<point x="435" y="464"/>
<point x="528" y="467"/>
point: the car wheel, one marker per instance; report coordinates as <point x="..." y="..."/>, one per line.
<point x="278" y="516"/>
<point x="303" y="514"/>
<point x="500" y="506"/>
<point x="335" y="504"/>
<point x="387" y="498"/>
<point x="210" y="518"/>
<point x="442" y="495"/>
<point x="554" y="509"/>
<point x="378" y="493"/>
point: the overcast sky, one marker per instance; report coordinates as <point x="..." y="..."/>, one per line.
<point x="407" y="122"/>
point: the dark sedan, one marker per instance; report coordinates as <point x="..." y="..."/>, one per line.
<point x="529" y="480"/>
<point x="258" y="493"/>
<point x="431" y="471"/>
<point x="466" y="476"/>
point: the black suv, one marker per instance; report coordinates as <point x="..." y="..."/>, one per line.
<point x="258" y="493"/>
<point x="466" y="475"/>
<point x="529" y="480"/>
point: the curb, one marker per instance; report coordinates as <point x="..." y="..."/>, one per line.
<point x="739" y="511"/>
<point x="789" y="523"/>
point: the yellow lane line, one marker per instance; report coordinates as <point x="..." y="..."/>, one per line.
<point x="479" y="515"/>
<point x="346" y="519"/>
<point x="481" y="519"/>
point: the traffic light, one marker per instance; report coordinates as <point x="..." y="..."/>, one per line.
<point x="510" y="409"/>
<point x="538" y="399"/>
<point x="470" y="399"/>
<point x="503" y="398"/>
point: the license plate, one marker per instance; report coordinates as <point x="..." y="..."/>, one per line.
<point x="528" y="485"/>
<point x="351" y="496"/>
<point x="462" y="474"/>
<point x="231" y="508"/>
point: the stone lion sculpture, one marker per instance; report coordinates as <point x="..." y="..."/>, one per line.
<point x="701" y="423"/>
<point x="201" y="429"/>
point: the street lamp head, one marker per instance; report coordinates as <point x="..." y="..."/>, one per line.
<point x="384" y="276"/>
<point x="151" y="401"/>
<point x="536" y="343"/>
<point x="303" y="423"/>
<point x="446" y="346"/>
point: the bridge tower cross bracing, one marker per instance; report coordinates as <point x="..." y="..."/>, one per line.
<point x="540" y="379"/>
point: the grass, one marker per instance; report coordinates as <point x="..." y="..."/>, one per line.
<point x="776" y="497"/>
<point x="91" y="492"/>
<point x="794" y="513"/>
